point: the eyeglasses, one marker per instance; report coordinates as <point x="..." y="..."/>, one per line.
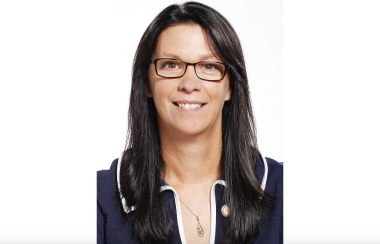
<point x="174" y="68"/>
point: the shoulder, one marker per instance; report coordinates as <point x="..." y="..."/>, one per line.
<point x="275" y="177"/>
<point x="272" y="222"/>
<point x="107" y="178"/>
<point x="107" y="185"/>
<point x="275" y="168"/>
<point x="113" y="224"/>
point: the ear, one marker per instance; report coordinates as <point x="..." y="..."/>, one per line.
<point x="148" y="91"/>
<point x="228" y="95"/>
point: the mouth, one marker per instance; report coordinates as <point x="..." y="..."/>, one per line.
<point x="189" y="105"/>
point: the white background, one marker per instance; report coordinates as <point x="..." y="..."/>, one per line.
<point x="331" y="121"/>
<point x="65" y="80"/>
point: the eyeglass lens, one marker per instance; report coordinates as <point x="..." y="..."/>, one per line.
<point x="204" y="70"/>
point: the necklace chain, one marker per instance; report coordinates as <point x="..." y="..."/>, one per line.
<point x="199" y="227"/>
<point x="197" y="216"/>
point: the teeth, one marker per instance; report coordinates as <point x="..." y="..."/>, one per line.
<point x="189" y="106"/>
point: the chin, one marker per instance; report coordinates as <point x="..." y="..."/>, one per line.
<point x="190" y="130"/>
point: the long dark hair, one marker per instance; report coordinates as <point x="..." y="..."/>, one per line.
<point x="142" y="163"/>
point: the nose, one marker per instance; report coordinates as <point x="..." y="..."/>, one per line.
<point x="189" y="82"/>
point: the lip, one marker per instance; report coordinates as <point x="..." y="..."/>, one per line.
<point x="187" y="101"/>
<point x="190" y="102"/>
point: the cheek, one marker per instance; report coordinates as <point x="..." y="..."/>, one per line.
<point x="155" y="85"/>
<point x="227" y="88"/>
<point x="150" y="84"/>
<point x="217" y="92"/>
<point x="161" y="90"/>
<point x="228" y="92"/>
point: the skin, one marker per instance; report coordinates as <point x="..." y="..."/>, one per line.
<point x="191" y="141"/>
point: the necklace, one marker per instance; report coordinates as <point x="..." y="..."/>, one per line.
<point x="199" y="228"/>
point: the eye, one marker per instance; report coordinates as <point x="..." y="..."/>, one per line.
<point x="210" y="66"/>
<point x="170" y="65"/>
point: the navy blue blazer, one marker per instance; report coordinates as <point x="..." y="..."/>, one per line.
<point x="114" y="228"/>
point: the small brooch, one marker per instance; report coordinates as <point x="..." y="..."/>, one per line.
<point x="225" y="211"/>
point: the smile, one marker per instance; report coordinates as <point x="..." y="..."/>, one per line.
<point x="189" y="105"/>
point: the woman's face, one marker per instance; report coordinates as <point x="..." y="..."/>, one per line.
<point x="187" y="43"/>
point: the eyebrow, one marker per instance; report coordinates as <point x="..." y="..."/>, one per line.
<point x="203" y="57"/>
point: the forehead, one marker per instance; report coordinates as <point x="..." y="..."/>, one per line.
<point x="186" y="42"/>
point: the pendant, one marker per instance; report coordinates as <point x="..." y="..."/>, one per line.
<point x="200" y="229"/>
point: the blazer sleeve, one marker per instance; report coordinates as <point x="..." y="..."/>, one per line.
<point x="101" y="229"/>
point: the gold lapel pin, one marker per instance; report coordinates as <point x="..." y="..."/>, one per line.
<point x="225" y="211"/>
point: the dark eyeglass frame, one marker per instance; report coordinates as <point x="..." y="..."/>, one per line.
<point x="154" y="61"/>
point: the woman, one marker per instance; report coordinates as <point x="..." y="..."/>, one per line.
<point x="191" y="171"/>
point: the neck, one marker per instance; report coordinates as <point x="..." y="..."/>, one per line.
<point x="192" y="159"/>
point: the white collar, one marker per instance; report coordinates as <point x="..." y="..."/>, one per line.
<point x="163" y="188"/>
<point x="177" y="202"/>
